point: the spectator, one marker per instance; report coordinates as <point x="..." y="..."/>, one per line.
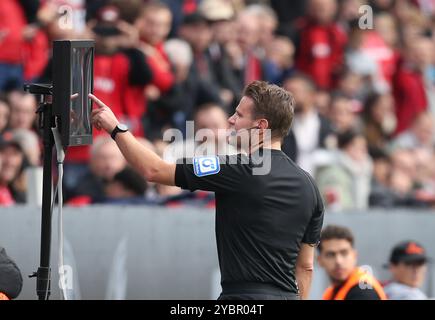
<point x="343" y="114"/>
<point x="392" y="187"/>
<point x="345" y="183"/>
<point x="338" y="257"/>
<point x="353" y="86"/>
<point x="15" y="17"/>
<point x="154" y="24"/>
<point x="419" y="135"/>
<point x="247" y="64"/>
<point x="380" y="194"/>
<point x="198" y="33"/>
<point x="322" y="102"/>
<point x="4" y="114"/>
<point x="126" y="187"/>
<point x="23" y="110"/>
<point x="310" y="129"/>
<point x="386" y="28"/>
<point x="189" y="91"/>
<point x="379" y="120"/>
<point x="121" y="70"/>
<point x="320" y="43"/>
<point x="408" y="267"/>
<point x="13" y="164"/>
<point x="29" y="143"/>
<point x="279" y="60"/>
<point x="404" y="175"/>
<point x="220" y="15"/>
<point x="210" y="122"/>
<point x="359" y="61"/>
<point x="409" y="85"/>
<point x="11" y="280"/>
<point x="349" y="11"/>
<point x="106" y="161"/>
<point x="268" y="21"/>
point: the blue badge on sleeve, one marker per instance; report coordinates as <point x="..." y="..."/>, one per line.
<point x="205" y="166"/>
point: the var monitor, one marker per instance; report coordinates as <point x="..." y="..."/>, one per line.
<point x="73" y="72"/>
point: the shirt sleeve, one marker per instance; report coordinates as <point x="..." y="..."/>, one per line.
<point x="213" y="173"/>
<point x="312" y="233"/>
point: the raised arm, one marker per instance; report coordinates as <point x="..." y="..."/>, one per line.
<point x="139" y="157"/>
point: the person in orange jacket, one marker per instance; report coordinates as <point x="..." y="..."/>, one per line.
<point x="338" y="257"/>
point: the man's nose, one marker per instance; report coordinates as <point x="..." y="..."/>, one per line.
<point x="231" y="120"/>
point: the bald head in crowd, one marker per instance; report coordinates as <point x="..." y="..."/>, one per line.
<point x="106" y="159"/>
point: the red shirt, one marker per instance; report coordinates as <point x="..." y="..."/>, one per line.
<point x="35" y="54"/>
<point x="163" y="78"/>
<point x="321" y="51"/>
<point x="12" y="23"/>
<point x="409" y="95"/>
<point x="386" y="58"/>
<point x="134" y="99"/>
<point x="6" y="198"/>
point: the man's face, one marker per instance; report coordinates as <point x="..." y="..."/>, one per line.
<point x="242" y="118"/>
<point x="248" y="32"/>
<point x="341" y="115"/>
<point x="304" y="96"/>
<point x="4" y="115"/>
<point x="11" y="164"/>
<point x="410" y="274"/>
<point x="23" y="112"/>
<point x="357" y="150"/>
<point x="338" y="258"/>
<point x="107" y="161"/>
<point x="323" y="11"/>
<point x="156" y="26"/>
<point x="214" y="119"/>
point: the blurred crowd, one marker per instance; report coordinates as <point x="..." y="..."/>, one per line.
<point x="362" y="74"/>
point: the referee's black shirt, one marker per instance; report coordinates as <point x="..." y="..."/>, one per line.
<point x="261" y="220"/>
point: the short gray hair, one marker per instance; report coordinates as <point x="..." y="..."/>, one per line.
<point x="179" y="52"/>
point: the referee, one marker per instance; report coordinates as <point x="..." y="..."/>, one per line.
<point x="267" y="225"/>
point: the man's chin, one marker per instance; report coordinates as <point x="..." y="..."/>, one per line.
<point x="340" y="276"/>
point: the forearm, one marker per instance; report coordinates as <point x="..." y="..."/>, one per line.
<point x="144" y="160"/>
<point x="138" y="156"/>
<point x="303" y="278"/>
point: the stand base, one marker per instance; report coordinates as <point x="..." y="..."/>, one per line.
<point x="43" y="283"/>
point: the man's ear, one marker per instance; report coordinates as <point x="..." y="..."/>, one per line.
<point x="263" y="124"/>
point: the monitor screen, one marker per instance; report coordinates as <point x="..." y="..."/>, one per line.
<point x="81" y="67"/>
<point x="72" y="82"/>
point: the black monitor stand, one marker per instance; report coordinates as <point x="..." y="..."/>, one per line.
<point x="46" y="122"/>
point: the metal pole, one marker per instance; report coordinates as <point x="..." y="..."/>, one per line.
<point x="43" y="273"/>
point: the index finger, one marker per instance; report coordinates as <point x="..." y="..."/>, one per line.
<point x="99" y="103"/>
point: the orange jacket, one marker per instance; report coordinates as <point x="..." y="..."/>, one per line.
<point x="354" y="279"/>
<point x="3" y="296"/>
